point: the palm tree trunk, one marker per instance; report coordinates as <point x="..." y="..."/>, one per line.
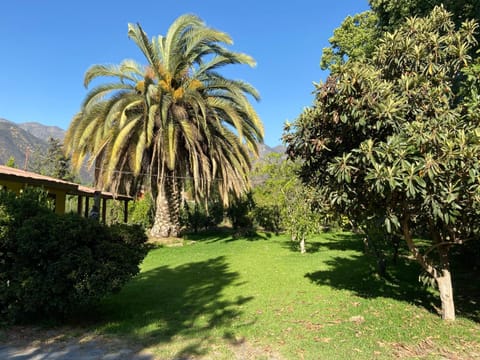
<point x="167" y="208"/>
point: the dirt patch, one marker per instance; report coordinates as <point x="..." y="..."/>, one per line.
<point x="66" y="344"/>
<point x="171" y="241"/>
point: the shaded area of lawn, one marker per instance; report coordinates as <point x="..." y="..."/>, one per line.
<point x="329" y="241"/>
<point x="184" y="301"/>
<point x="357" y="273"/>
<point x="226" y="234"/>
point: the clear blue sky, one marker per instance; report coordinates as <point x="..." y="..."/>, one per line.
<point x="46" y="46"/>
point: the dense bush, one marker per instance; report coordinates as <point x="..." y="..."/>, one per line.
<point x="196" y="216"/>
<point x="269" y="217"/>
<point x="52" y="265"/>
<point x="240" y="212"/>
<point x="142" y="211"/>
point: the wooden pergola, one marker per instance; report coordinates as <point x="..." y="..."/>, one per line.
<point x="16" y="179"/>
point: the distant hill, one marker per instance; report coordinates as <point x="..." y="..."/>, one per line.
<point x="17" y="142"/>
<point x="30" y="138"/>
<point x="265" y="150"/>
<point x="43" y="132"/>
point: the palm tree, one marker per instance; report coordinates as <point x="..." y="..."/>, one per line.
<point x="174" y="119"/>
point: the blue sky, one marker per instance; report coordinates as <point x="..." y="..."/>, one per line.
<point x="47" y="45"/>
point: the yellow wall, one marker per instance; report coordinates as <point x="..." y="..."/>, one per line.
<point x="59" y="195"/>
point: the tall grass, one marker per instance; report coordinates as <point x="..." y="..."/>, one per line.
<point x="249" y="298"/>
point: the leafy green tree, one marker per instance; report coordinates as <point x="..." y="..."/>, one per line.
<point x="52" y="163"/>
<point x="358" y="35"/>
<point x="271" y="178"/>
<point x="52" y="264"/>
<point x="396" y="138"/>
<point x="142" y="211"/>
<point x="239" y="212"/>
<point x="11" y="162"/>
<point x="355" y="38"/>
<point x="301" y="217"/>
<point x="392" y="13"/>
<point x="173" y="119"/>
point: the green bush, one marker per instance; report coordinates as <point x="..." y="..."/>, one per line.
<point x="196" y="216"/>
<point x="142" y="211"/>
<point x="52" y="265"/>
<point x="269" y="217"/>
<point x="240" y="212"/>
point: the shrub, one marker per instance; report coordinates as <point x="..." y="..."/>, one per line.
<point x="52" y="265"/>
<point x="240" y="212"/>
<point x="142" y="211"/>
<point x="196" y="216"/>
<point x="269" y="217"/>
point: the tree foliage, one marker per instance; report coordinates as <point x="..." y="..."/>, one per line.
<point x="53" y="163"/>
<point x="392" y="13"/>
<point x="358" y="35"/>
<point x="355" y="38"/>
<point x="301" y="215"/>
<point x="11" y="162"/>
<point x="395" y="138"/>
<point x="271" y="179"/>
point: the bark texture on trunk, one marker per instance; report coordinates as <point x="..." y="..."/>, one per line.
<point x="444" y="282"/>
<point x="442" y="276"/>
<point x="167" y="209"/>
<point x="302" y="245"/>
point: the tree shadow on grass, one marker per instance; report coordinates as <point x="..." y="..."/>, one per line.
<point x="357" y="273"/>
<point x="328" y="241"/>
<point x="166" y="302"/>
<point x="465" y="291"/>
<point x="226" y="235"/>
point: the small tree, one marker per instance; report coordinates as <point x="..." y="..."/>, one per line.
<point x="301" y="219"/>
<point x="11" y="162"/>
<point x="271" y="179"/>
<point x="52" y="163"/>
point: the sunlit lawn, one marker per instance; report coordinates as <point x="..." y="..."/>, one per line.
<point x="224" y="298"/>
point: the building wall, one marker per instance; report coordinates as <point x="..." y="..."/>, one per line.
<point x="58" y="195"/>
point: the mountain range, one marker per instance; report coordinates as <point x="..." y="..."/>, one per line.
<point x="17" y="141"/>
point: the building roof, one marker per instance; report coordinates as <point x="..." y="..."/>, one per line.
<point x="30" y="178"/>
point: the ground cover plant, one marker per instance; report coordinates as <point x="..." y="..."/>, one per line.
<point x="222" y="297"/>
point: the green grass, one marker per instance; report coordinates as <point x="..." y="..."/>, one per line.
<point x="224" y="298"/>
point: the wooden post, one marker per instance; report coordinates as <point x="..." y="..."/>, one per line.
<point x="125" y="211"/>
<point x="87" y="199"/>
<point x="104" y="210"/>
<point x="79" y="204"/>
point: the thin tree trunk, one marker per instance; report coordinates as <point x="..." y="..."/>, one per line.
<point x="444" y="283"/>
<point x="442" y="277"/>
<point x="302" y="245"/>
<point x="167" y="209"/>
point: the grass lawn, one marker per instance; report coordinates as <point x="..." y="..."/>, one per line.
<point x="224" y="298"/>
